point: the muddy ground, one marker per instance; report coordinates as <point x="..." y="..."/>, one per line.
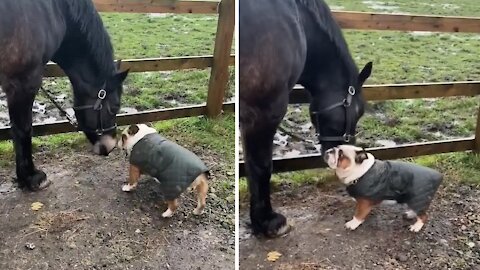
<point x="87" y="222"/>
<point x="450" y="240"/>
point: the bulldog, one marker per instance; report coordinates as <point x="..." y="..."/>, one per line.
<point x="175" y="168"/>
<point x="370" y="181"/>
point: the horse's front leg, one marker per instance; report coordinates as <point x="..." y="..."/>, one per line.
<point x="20" y="96"/>
<point x="258" y="125"/>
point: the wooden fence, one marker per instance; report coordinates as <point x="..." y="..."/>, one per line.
<point x="371" y="21"/>
<point x="219" y="62"/>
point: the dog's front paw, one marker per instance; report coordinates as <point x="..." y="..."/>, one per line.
<point x="128" y="187"/>
<point x="168" y="213"/>
<point x="198" y="211"/>
<point x="416" y="227"/>
<point x="353" y="224"/>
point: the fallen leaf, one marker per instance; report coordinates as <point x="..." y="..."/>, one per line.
<point x="272" y="256"/>
<point x="37" y="206"/>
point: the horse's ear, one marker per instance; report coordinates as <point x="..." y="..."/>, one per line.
<point x="121" y="76"/>
<point x="365" y="73"/>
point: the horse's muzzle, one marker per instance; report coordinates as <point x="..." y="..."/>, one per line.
<point x="104" y="145"/>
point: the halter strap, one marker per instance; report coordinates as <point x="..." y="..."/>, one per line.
<point x="98" y="107"/>
<point x="348" y="135"/>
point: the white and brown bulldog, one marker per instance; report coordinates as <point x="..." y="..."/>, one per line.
<point x="372" y="181"/>
<point x="176" y="168"/>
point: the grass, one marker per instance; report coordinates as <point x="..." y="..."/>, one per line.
<point x="403" y="57"/>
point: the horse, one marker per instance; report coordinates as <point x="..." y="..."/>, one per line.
<point x="70" y="33"/>
<point x="284" y="43"/>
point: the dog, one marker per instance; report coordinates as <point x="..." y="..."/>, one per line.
<point x="370" y="181"/>
<point x="176" y="168"/>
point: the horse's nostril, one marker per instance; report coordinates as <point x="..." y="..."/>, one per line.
<point x="103" y="150"/>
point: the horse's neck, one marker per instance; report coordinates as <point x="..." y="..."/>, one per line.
<point x="316" y="79"/>
<point x="86" y="52"/>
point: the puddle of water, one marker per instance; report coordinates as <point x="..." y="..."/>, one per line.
<point x="292" y="153"/>
<point x="128" y="110"/>
<point x="39" y="108"/>
<point x="386" y="143"/>
<point x="337" y="7"/>
<point x="381" y="6"/>
<point x="421" y="34"/>
<point x="280" y="140"/>
<point x="159" y="15"/>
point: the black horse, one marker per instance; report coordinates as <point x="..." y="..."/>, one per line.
<point x="282" y="43"/>
<point x="70" y="33"/>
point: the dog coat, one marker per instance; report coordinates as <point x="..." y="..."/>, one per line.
<point x="174" y="166"/>
<point x="395" y="180"/>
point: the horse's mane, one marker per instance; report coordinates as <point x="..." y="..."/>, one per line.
<point x="90" y="25"/>
<point x="325" y="21"/>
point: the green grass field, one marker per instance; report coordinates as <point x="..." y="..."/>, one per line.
<point x="411" y="57"/>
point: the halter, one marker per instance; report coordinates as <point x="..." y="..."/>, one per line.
<point x="349" y="128"/>
<point x="98" y="107"/>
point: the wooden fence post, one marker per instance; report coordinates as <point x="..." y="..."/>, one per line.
<point x="223" y="44"/>
<point x="477" y="135"/>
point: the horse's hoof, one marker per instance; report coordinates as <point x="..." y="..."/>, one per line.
<point x="275" y="226"/>
<point x="38" y="181"/>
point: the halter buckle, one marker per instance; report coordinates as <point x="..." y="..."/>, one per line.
<point x="347" y="137"/>
<point x="351" y="90"/>
<point x="102" y="94"/>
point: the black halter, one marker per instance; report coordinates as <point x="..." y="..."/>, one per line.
<point x="98" y="106"/>
<point x="349" y="114"/>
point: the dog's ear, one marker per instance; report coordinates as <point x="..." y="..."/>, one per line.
<point x="360" y="156"/>
<point x="124" y="139"/>
<point x="133" y="129"/>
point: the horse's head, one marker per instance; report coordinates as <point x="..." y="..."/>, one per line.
<point x="335" y="111"/>
<point x="96" y="108"/>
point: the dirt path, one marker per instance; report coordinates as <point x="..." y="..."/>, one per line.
<point x="87" y="222"/>
<point x="451" y="240"/>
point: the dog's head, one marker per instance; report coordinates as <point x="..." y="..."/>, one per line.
<point x="349" y="162"/>
<point x="132" y="134"/>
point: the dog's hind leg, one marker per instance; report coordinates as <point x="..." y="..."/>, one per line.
<point x="417" y="226"/>
<point x="202" y="189"/>
<point x="409" y="214"/>
<point x="172" y="207"/>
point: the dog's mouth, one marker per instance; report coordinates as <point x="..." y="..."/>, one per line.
<point x="330" y="158"/>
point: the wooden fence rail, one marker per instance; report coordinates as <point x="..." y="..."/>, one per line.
<point x="123" y="119"/>
<point x="403" y="91"/>
<point x="153" y="64"/>
<point x="315" y="161"/>
<point x="347" y="20"/>
<point x="156" y="6"/>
